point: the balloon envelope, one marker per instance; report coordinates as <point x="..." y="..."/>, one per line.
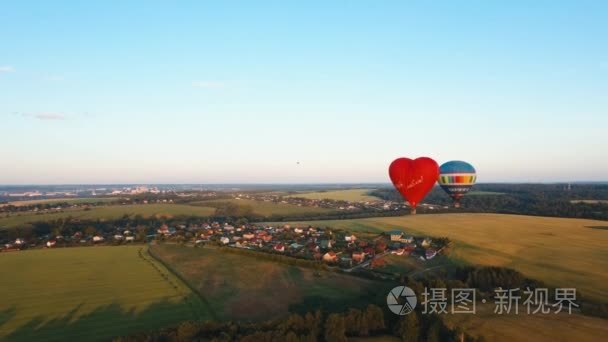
<point x="413" y="178"/>
<point x="456" y="178"/>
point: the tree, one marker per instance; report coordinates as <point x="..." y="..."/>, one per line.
<point x="407" y="328"/>
<point x="433" y="334"/>
<point x="375" y="318"/>
<point x="334" y="328"/>
<point x="352" y="322"/>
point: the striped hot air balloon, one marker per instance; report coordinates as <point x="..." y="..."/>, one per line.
<point x="456" y="178"/>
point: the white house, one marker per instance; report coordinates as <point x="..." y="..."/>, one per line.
<point x="224" y="240"/>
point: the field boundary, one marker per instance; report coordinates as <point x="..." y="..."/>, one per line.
<point x="204" y="300"/>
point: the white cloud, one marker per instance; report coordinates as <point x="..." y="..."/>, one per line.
<point x="49" y="116"/>
<point x="6" y="68"/>
<point x="209" y="84"/>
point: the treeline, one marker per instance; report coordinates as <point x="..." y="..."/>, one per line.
<point x="485" y="279"/>
<point x="555" y="200"/>
<point x="313" y="326"/>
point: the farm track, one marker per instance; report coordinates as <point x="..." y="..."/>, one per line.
<point x="177" y="275"/>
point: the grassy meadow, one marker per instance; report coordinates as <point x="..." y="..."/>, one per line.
<point x="243" y="287"/>
<point x="268" y="208"/>
<point x="353" y="195"/>
<point x="90" y="293"/>
<point x="107" y="212"/>
<point x="70" y="200"/>
<point x="559" y="251"/>
<point x="524" y="327"/>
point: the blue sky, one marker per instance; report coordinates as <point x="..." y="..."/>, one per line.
<point x="240" y="91"/>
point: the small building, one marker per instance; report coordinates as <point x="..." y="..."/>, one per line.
<point x="279" y="248"/>
<point x="224" y="240"/>
<point x="330" y="257"/>
<point x="350" y="238"/>
<point x="395" y="235"/>
<point x="358" y="257"/>
<point x="98" y="238"/>
<point x="398" y="251"/>
<point x="426" y="242"/>
<point x="248" y="236"/>
<point x="51" y="243"/>
<point x="130" y="238"/>
<point x="408" y="239"/>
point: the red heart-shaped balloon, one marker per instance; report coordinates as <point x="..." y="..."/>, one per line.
<point x="413" y="178"/>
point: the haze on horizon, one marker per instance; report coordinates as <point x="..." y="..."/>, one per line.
<point x="205" y="92"/>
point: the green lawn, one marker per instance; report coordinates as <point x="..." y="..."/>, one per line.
<point x="353" y="195"/>
<point x="561" y="252"/>
<point x="241" y="287"/>
<point x="90" y="293"/>
<point x="108" y="212"/>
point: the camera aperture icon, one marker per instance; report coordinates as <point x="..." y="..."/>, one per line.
<point x="401" y="300"/>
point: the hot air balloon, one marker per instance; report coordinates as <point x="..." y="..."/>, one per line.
<point x="456" y="178"/>
<point x="413" y="178"/>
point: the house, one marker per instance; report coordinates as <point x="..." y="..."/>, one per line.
<point x="408" y="239"/>
<point x="98" y="238"/>
<point x="298" y="230"/>
<point x="228" y="228"/>
<point x="19" y="242"/>
<point x="224" y="240"/>
<point x="358" y="257"/>
<point x="426" y="242"/>
<point x="350" y="238"/>
<point x="267" y="238"/>
<point x="248" y="236"/>
<point x="130" y="238"/>
<point x="164" y="230"/>
<point x="295" y="246"/>
<point x="395" y="235"/>
<point x="118" y="237"/>
<point x="330" y="257"/>
<point x="398" y="251"/>
<point x="51" y="243"/>
<point x="279" y="248"/>
<point x="430" y="254"/>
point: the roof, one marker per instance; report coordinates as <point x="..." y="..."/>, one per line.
<point x="395" y="232"/>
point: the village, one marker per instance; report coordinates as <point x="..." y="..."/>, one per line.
<point x="336" y="248"/>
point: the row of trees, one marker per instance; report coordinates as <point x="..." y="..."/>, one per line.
<point x="556" y="200"/>
<point x="313" y="326"/>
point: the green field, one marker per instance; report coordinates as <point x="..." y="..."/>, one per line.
<point x="243" y="287"/>
<point x="108" y="212"/>
<point x="352" y="195"/>
<point x="269" y="208"/>
<point x="70" y="200"/>
<point x="561" y="252"/>
<point x="90" y="293"/>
